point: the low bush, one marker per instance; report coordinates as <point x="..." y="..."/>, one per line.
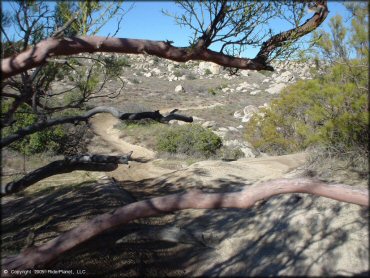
<point x="207" y="72"/>
<point x="230" y="154"/>
<point x="190" y="139"/>
<point x="328" y="111"/>
<point x="46" y="140"/>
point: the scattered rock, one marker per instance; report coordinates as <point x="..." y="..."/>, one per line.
<point x="243" y="86"/>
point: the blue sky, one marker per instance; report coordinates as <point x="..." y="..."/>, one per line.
<point x="146" y="21"/>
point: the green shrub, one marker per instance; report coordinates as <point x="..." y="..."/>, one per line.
<point x="191" y="76"/>
<point x="212" y="91"/>
<point x="331" y="111"/>
<point x="189" y="139"/>
<point x="46" y="140"/>
<point x="207" y="72"/>
<point x="135" y="81"/>
<point x="230" y="154"/>
<point x="114" y="65"/>
<point x="178" y="73"/>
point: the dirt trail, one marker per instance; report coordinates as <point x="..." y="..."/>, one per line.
<point x="103" y="126"/>
<point x="257" y="169"/>
<point x="167" y="110"/>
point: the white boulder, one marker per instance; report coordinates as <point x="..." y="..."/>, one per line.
<point x="255" y="92"/>
<point x="170" y="67"/>
<point x="244" y="73"/>
<point x="156" y="71"/>
<point x="212" y="67"/>
<point x="179" y="89"/>
<point x="248" y="113"/>
<point x="250" y="109"/>
<point x="238" y="114"/>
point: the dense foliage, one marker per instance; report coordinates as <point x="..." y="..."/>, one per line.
<point x="189" y="139"/>
<point x="46" y="140"/>
<point x="330" y="110"/>
<point x="322" y="111"/>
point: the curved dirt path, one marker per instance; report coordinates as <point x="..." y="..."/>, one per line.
<point x="103" y="125"/>
<point x="167" y="110"/>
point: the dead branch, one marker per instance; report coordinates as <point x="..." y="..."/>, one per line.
<point x="194" y="199"/>
<point x="78" y="162"/>
<point x="100" y="109"/>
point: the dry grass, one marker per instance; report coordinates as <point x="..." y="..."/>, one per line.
<point x="350" y="168"/>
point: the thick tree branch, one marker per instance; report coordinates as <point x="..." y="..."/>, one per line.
<point x="194" y="199"/>
<point x="51" y="47"/>
<point x="293" y="34"/>
<point x="67" y="165"/>
<point x="100" y="109"/>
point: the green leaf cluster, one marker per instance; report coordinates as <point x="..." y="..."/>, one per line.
<point x="190" y="139"/>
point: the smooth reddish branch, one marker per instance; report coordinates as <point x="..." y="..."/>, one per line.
<point x="194" y="199"/>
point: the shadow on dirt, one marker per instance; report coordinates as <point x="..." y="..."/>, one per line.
<point x="292" y="234"/>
